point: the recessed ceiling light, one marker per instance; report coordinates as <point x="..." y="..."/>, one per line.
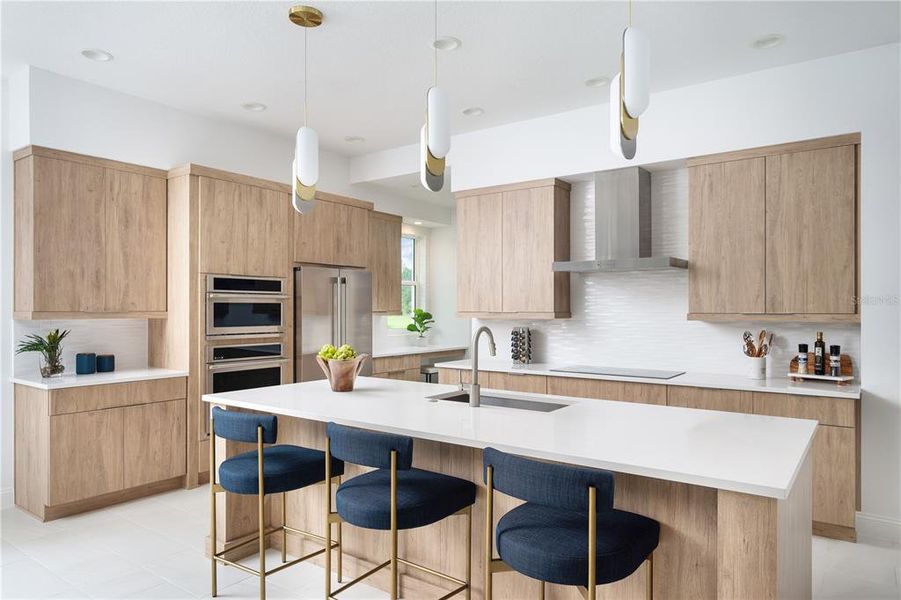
<point x="770" y="40"/>
<point x="417" y="222"/>
<point x="97" y="54"/>
<point x="446" y="43"/>
<point x="254" y="106"/>
<point x="354" y="139"/>
<point x="596" y="82"/>
<point x="473" y="111"/>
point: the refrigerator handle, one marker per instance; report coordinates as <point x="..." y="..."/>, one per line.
<point x="343" y="313"/>
<point x="336" y="312"/>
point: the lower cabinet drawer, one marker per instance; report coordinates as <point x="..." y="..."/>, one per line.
<point x="405" y="375"/>
<point x="511" y="382"/>
<point x="154" y="443"/>
<point x="710" y="399"/>
<point x="85" y="455"/>
<point x="835" y="475"/>
<point x="112" y="395"/>
<point x="449" y="376"/>
<point x="599" y="389"/>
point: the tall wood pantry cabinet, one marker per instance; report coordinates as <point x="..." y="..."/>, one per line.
<point x="773" y="233"/>
<point x="508" y="238"/>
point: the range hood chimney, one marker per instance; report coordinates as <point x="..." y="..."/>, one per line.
<point x="622" y="211"/>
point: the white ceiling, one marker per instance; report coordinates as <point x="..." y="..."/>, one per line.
<point x="370" y="63"/>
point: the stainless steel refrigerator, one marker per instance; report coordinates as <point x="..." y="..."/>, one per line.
<point x="331" y="306"/>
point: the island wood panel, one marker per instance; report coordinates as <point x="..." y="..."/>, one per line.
<point x="599" y="389"/>
<point x="511" y="382"/>
<point x="480" y="230"/>
<point x="32" y="448"/>
<point x="97" y="397"/>
<point x="827" y="410"/>
<point x="811" y="207"/>
<point x="86" y="455"/>
<point x="835" y="477"/>
<point x="384" y="262"/>
<point x="154" y="443"/>
<point x="244" y="229"/>
<point x="710" y="399"/>
<point x="135" y="250"/>
<point x="726" y="251"/>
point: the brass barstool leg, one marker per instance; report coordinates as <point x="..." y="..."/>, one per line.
<point x="262" y="512"/>
<point x="213" y="545"/>
<point x="489" y="518"/>
<point x="340" y="549"/>
<point x="284" y="531"/>
<point x="649" y="590"/>
<point x="592" y="542"/>
<point x="540" y="590"/>
<point x="469" y="553"/>
<point x="394" y="525"/>
<point x="328" y="514"/>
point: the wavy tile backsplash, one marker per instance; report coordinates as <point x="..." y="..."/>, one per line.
<point x="638" y="319"/>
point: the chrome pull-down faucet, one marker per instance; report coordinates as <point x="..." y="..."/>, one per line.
<point x="474" y="390"/>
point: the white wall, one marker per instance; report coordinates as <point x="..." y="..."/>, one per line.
<point x="857" y="91"/>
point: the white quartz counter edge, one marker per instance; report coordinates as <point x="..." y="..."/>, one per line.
<point x="752" y="454"/>
<point x="405" y="350"/>
<point x="775" y="385"/>
<point x="123" y="376"/>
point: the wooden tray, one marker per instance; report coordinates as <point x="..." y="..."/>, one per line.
<point x="847" y="370"/>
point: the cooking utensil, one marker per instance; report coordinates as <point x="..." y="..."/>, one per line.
<point x="761" y="339"/>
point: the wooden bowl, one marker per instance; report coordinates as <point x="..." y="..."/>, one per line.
<point x="342" y="374"/>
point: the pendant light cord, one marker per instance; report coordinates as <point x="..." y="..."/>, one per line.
<point x="630" y="13"/>
<point x="435" y="47"/>
<point x="305" y="78"/>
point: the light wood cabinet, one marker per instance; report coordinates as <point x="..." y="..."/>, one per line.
<point x="244" y="229"/>
<point x="511" y="382"/>
<point x="90" y="237"/>
<point x="709" y="399"/>
<point x="335" y="232"/>
<point x="508" y="238"/>
<point x="384" y="262"/>
<point x="599" y="389"/>
<point x="81" y="448"/>
<point x="773" y="233"/>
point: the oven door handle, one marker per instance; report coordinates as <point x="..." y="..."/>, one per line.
<point x="246" y="365"/>
<point x="256" y="297"/>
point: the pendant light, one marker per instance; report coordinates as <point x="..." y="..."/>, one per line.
<point x="434" y="137"/>
<point x="305" y="167"/>
<point x="629" y="91"/>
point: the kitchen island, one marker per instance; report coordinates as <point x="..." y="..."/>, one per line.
<point x="731" y="491"/>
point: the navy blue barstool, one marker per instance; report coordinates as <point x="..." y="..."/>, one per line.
<point x="567" y="532"/>
<point x="273" y="470"/>
<point x="392" y="497"/>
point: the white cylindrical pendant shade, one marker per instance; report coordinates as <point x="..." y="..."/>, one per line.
<point x="636" y="71"/>
<point x="438" y="122"/>
<point x="615" y="128"/>
<point x="306" y="156"/>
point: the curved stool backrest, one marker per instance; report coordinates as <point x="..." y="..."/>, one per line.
<point x="369" y="448"/>
<point x="242" y="427"/>
<point x="549" y="484"/>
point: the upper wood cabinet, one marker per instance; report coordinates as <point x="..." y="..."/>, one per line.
<point x="90" y="237"/>
<point x="508" y="238"/>
<point x="773" y="233"/>
<point x="244" y="227"/>
<point x="384" y="262"/>
<point x="335" y="232"/>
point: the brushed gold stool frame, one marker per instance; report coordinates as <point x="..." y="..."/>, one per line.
<point x="394" y="560"/>
<point x="496" y="565"/>
<point x="260" y="537"/>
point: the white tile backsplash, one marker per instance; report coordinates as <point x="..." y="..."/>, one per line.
<point x="639" y="319"/>
<point x="126" y="338"/>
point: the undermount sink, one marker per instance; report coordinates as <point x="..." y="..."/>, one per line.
<point x="462" y="396"/>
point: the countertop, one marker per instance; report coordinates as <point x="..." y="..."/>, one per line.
<point x="753" y="454"/>
<point x="405" y="350"/>
<point x="73" y="380"/>
<point x="775" y="385"/>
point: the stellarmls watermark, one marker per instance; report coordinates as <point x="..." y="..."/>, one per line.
<point x="877" y="300"/>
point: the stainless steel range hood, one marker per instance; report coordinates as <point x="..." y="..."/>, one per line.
<point x="622" y="203"/>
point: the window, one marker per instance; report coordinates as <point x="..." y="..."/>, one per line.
<point x="409" y="275"/>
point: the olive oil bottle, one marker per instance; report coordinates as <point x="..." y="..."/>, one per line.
<point x="819" y="355"/>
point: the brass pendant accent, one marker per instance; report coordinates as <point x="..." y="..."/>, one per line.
<point x="305" y="16"/>
<point x="434" y="165"/>
<point x="628" y="123"/>
<point x="305" y="192"/>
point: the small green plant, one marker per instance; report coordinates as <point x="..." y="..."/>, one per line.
<point x="50" y="348"/>
<point x="421" y="322"/>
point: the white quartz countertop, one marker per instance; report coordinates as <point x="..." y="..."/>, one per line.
<point x="72" y="380"/>
<point x="405" y="350"/>
<point x="753" y="454"/>
<point x="724" y="381"/>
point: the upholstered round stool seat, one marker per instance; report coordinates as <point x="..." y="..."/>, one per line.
<point x="285" y="468"/>
<point x="551" y="544"/>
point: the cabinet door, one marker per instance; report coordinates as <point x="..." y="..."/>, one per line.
<point x="599" y="389"/>
<point x="243" y="229"/>
<point x="384" y="262"/>
<point x="479" y="253"/>
<point x="315" y="235"/>
<point x="351" y="235"/>
<point x="154" y="442"/>
<point x="710" y="399"/>
<point x="834" y="476"/>
<point x="135" y="242"/>
<point x="811" y="220"/>
<point x="726" y="237"/>
<point x="69" y="237"/>
<point x="528" y="258"/>
<point x="85" y="455"/>
<point x="511" y="382"/>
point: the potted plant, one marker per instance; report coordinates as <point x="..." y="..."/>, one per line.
<point x="422" y="322"/>
<point x="341" y="366"/>
<point x="51" y="350"/>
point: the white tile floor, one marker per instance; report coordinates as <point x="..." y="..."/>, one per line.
<point x="153" y="548"/>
